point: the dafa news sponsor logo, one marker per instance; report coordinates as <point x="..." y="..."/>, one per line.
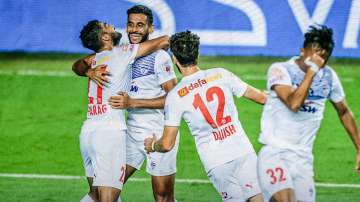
<point x="199" y="83"/>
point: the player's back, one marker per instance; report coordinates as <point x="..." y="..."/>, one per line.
<point x="205" y="101"/>
<point x="117" y="62"/>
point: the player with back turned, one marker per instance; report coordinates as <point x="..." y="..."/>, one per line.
<point x="204" y="98"/>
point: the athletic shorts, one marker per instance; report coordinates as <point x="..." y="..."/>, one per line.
<point x="102" y="146"/>
<point x="280" y="169"/>
<point x="236" y="181"/>
<point x="157" y="164"/>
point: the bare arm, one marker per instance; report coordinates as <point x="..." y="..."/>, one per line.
<point x="152" y="45"/>
<point x="255" y="95"/>
<point x="348" y="121"/>
<point x="82" y="67"/>
<point x="165" y="143"/>
<point x="294" y="99"/>
<point x="123" y="101"/>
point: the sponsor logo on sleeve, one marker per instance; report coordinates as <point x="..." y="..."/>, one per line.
<point x="275" y="76"/>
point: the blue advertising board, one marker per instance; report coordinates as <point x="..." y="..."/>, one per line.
<point x="225" y="27"/>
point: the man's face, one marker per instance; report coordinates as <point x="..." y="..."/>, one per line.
<point x="110" y="30"/>
<point x="138" y="28"/>
<point x="315" y="48"/>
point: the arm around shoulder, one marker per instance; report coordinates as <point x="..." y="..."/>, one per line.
<point x="152" y="45"/>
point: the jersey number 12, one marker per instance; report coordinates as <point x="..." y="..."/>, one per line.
<point x="198" y="103"/>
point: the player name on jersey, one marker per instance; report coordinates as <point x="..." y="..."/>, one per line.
<point x="224" y="132"/>
<point x="96" y="109"/>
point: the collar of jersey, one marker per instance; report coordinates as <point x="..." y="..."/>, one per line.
<point x="192" y="75"/>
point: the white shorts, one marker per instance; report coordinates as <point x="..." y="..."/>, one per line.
<point x="157" y="164"/>
<point x="281" y="169"/>
<point x="236" y="180"/>
<point x="103" y="151"/>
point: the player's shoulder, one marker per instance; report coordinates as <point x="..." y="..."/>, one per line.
<point x="217" y="70"/>
<point x="279" y="65"/>
<point x="162" y="55"/>
<point x="125" y="47"/>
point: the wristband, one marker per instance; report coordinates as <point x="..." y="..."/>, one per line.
<point x="153" y="145"/>
<point x="312" y="65"/>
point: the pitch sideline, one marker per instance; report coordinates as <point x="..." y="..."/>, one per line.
<point x="181" y="180"/>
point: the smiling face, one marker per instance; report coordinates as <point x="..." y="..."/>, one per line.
<point x="138" y="28"/>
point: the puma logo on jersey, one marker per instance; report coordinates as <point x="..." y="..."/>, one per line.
<point x="199" y="83"/>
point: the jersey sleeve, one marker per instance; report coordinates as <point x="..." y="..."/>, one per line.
<point x="237" y="86"/>
<point x="277" y="75"/>
<point x="127" y="51"/>
<point x="164" y="67"/>
<point x="173" y="111"/>
<point x="337" y="93"/>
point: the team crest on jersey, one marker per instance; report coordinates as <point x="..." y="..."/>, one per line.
<point x="143" y="66"/>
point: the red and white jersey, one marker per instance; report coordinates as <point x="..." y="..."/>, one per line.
<point x="205" y="101"/>
<point x="118" y="62"/>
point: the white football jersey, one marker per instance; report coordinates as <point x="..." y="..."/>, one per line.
<point x="118" y="62"/>
<point x="147" y="75"/>
<point x="205" y="101"/>
<point x="282" y="128"/>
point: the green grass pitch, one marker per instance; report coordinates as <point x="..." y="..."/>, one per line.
<point x="41" y="116"/>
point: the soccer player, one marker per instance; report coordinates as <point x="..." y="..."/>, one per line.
<point x="204" y="98"/>
<point x="292" y="114"/>
<point x="152" y="77"/>
<point x="102" y="138"/>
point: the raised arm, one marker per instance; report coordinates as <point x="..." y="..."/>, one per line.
<point x="294" y="99"/>
<point x="82" y="67"/>
<point x="348" y="121"/>
<point x="152" y="45"/>
<point x="165" y="143"/>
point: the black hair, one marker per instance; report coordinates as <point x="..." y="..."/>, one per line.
<point x="321" y="35"/>
<point x="90" y="35"/>
<point x="140" y="9"/>
<point x="185" y="47"/>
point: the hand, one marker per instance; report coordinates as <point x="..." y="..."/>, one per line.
<point x="149" y="144"/>
<point x="357" y="163"/>
<point x="120" y="101"/>
<point x="317" y="59"/>
<point x="99" y="75"/>
<point x="89" y="60"/>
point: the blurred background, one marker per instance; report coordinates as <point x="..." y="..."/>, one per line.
<point x="226" y="27"/>
<point x="43" y="104"/>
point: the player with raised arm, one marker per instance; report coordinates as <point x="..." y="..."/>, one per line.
<point x="102" y="138"/>
<point x="292" y="115"/>
<point x="152" y="77"/>
<point x="204" y="98"/>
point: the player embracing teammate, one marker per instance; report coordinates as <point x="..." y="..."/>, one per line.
<point x="292" y="114"/>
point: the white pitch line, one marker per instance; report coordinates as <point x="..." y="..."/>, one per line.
<point x="135" y="179"/>
<point x="53" y="73"/>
